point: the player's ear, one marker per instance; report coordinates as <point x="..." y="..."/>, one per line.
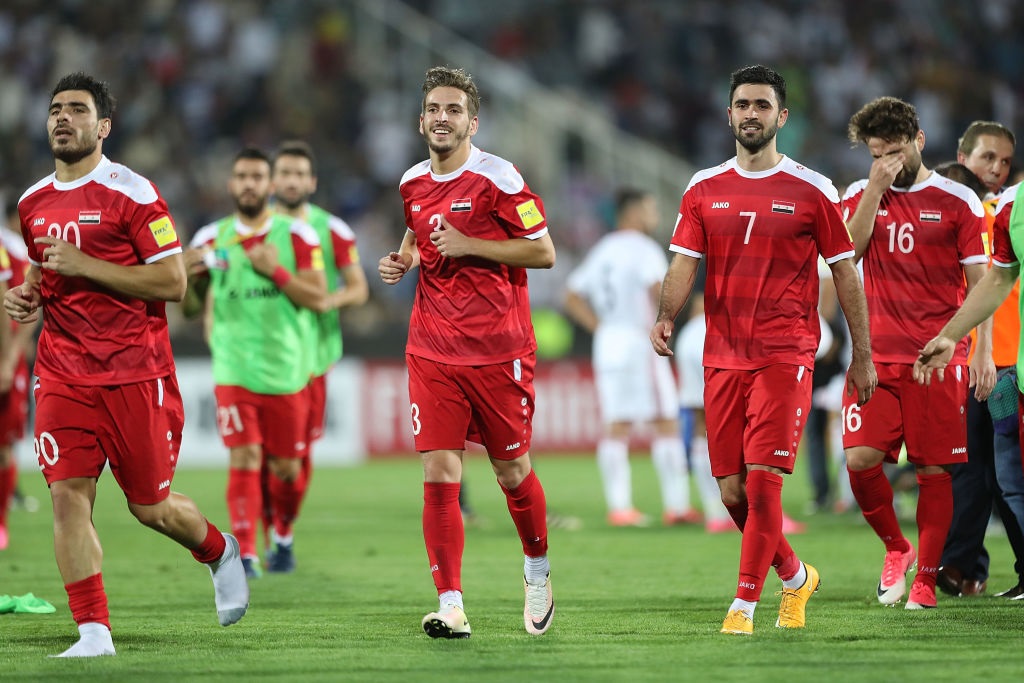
<point x="104" y="129"/>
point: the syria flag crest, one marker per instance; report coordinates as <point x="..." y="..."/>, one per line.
<point x="779" y="206"/>
<point x="930" y="216"/>
<point x="89" y="217"/>
<point x="465" y="204"/>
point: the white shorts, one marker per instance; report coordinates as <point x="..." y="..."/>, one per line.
<point x="689" y="355"/>
<point x="634" y="384"/>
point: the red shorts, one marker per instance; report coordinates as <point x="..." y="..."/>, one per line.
<point x="280" y="424"/>
<point x="14" y="407"/>
<point x="134" y="427"/>
<point x="488" y="404"/>
<point x="755" y="417"/>
<point x="932" y="419"/>
<point x="316" y="391"/>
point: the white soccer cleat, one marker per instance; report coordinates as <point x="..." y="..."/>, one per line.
<point x="448" y="622"/>
<point x="540" y="606"/>
<point x="94" y="641"/>
<point x="230" y="588"/>
<point x="893" y="584"/>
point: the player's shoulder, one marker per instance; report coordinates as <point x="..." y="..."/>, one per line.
<point x="714" y="172"/>
<point x="304" y="231"/>
<point x="855" y="188"/>
<point x="206" y="234"/>
<point x="340" y="227"/>
<point x="957" y="190"/>
<point x="1007" y="196"/>
<point x="36" y="187"/>
<point x="418" y="171"/>
<point x="123" y="180"/>
<point x="502" y="173"/>
<point x="14" y="243"/>
<point x="818" y="181"/>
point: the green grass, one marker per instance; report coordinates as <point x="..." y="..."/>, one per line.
<point x="632" y="604"/>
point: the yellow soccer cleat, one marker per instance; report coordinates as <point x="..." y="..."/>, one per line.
<point x="794" y="600"/>
<point x="737" y="622"/>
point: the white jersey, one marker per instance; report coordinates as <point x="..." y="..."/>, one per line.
<point x="616" y="278"/>
<point x="689" y="355"/>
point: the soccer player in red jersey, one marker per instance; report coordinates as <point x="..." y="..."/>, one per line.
<point x="14" y="375"/>
<point x="473" y="228"/>
<point x="761" y="220"/>
<point x="919" y="236"/>
<point x="105" y="258"/>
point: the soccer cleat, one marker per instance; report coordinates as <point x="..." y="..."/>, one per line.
<point x="921" y="596"/>
<point x="1015" y="593"/>
<point x="673" y="518"/>
<point x="540" y="606"/>
<point x="893" y="584"/>
<point x="631" y="517"/>
<point x="230" y="587"/>
<point x="790" y="526"/>
<point x="448" y="622"/>
<point x="281" y="560"/>
<point x="794" y="600"/>
<point x="720" y="526"/>
<point x="251" y="565"/>
<point x="738" y="623"/>
<point x="4" y="540"/>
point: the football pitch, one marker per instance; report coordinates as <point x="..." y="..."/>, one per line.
<point x="631" y="604"/>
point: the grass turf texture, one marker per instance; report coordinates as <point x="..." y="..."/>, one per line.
<point x="631" y="604"/>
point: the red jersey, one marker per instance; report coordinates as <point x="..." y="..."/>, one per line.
<point x="1003" y="254"/>
<point x="471" y="311"/>
<point x="761" y="233"/>
<point x="913" y="266"/>
<point x="93" y="335"/>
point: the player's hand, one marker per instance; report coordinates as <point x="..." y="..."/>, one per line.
<point x="62" y="257"/>
<point x="982" y="373"/>
<point x="195" y="260"/>
<point x="263" y="257"/>
<point x="660" y="335"/>
<point x="861" y="380"/>
<point x="392" y="268"/>
<point x="449" y="241"/>
<point x="884" y="170"/>
<point x="935" y="355"/>
<point x="22" y="303"/>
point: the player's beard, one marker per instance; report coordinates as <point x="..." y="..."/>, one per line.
<point x="906" y="177"/>
<point x="72" y="152"/>
<point x="250" y="204"/>
<point x="291" y="203"/>
<point x="755" y="143"/>
<point x="454" y="141"/>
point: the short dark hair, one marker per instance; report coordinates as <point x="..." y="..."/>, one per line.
<point x="969" y="141"/>
<point x="447" y="77"/>
<point x="100" y="91"/>
<point x="625" y="197"/>
<point x="888" y="118"/>
<point x="962" y="174"/>
<point x="296" y="148"/>
<point x="251" y="152"/>
<point x="759" y="74"/>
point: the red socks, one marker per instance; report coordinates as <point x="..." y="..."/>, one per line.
<point x="88" y="601"/>
<point x="761" y="532"/>
<point x="934" y="515"/>
<point x="443" y="534"/>
<point x="785" y="561"/>
<point x="244" y="505"/>
<point x="285" y="501"/>
<point x="873" y="492"/>
<point x="212" y="547"/>
<point x="529" y="511"/>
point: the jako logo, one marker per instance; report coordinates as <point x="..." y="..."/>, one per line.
<point x="164" y="484"/>
<point x="512" y="446"/>
<point x="959" y="451"/>
<point x="744" y="584"/>
<point x="719" y="205"/>
<point x="784" y="454"/>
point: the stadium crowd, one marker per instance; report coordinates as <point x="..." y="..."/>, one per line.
<point x="200" y="76"/>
